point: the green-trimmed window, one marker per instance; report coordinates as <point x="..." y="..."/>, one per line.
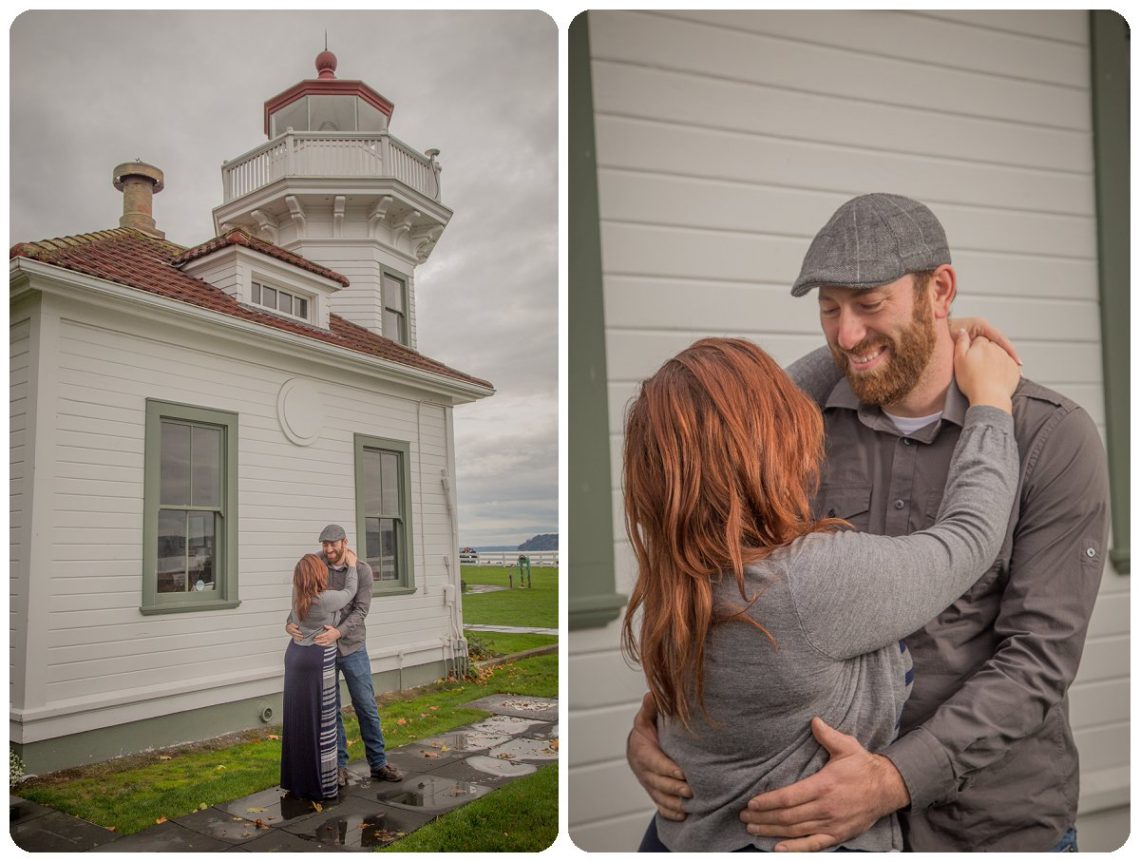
<point x="189" y="509"/>
<point x="384" y="512"/>
<point x="395" y="295"/>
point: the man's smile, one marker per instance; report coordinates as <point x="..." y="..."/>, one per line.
<point x="868" y="360"/>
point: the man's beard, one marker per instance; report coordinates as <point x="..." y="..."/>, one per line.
<point x="907" y="357"/>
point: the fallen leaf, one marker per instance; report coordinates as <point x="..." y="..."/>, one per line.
<point x="255" y="810"/>
<point x="165" y="757"/>
<point x="112" y="829"/>
<point x="431" y="754"/>
<point x="554" y="744"/>
<point x="260" y="824"/>
<point x="318" y="807"/>
<point x="219" y="768"/>
<point x="202" y="806"/>
<point x="444" y="748"/>
<point x="401" y="721"/>
<point x="272" y="736"/>
<point x="433" y="708"/>
<point x="160" y="820"/>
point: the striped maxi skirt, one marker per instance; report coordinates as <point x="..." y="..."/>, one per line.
<point x="308" y="735"/>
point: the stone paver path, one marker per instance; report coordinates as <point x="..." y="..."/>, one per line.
<point x="441" y="774"/>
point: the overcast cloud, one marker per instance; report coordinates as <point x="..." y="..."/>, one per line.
<point x="184" y="91"/>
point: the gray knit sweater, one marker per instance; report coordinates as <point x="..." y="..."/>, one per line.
<point x="837" y="604"/>
<point x="325" y="608"/>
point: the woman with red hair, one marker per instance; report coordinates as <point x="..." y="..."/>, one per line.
<point x="749" y="616"/>
<point x="308" y="735"/>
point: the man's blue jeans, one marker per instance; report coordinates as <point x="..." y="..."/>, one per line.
<point x="1068" y="842"/>
<point x="357" y="672"/>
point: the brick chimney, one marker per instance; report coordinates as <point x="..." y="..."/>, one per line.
<point x="139" y="183"/>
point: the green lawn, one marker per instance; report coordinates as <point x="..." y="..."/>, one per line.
<point x="520" y="817"/>
<point x="536" y="605"/>
<point x="133" y="793"/>
<point x="509" y="643"/>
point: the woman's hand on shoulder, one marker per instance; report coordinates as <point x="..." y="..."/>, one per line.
<point x="350" y="556"/>
<point x="985" y="372"/>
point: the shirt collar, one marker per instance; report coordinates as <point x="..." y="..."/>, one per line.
<point x="954" y="408"/>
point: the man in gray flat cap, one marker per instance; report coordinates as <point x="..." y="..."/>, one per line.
<point x="985" y="757"/>
<point x="352" y="657"/>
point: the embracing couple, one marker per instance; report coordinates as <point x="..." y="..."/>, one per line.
<point x="863" y="589"/>
<point x="331" y="596"/>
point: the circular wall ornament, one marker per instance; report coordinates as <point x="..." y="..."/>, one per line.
<point x="300" y="411"/>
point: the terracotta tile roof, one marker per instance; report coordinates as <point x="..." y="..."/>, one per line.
<point x="132" y="258"/>
<point x="238" y="236"/>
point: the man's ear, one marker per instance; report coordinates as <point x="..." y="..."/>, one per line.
<point x="943" y="288"/>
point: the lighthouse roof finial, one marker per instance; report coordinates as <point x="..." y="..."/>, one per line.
<point x="326" y="61"/>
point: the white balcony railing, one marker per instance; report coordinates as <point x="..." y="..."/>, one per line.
<point x="339" y="154"/>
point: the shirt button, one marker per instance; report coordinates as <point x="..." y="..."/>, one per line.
<point x="899" y="504"/>
<point x="1091" y="552"/>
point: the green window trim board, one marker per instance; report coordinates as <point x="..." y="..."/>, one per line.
<point x="225" y="592"/>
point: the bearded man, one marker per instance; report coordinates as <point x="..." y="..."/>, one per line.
<point x="985" y="757"/>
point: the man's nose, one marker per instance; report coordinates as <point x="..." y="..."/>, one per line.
<point x="851" y="329"/>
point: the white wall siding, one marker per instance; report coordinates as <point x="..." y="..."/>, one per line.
<point x="98" y="650"/>
<point x="724" y="141"/>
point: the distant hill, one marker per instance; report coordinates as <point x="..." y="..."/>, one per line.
<point x="541" y="542"/>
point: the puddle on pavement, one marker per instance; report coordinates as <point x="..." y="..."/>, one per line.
<point x="465" y="741"/>
<point x="357" y="831"/>
<point x="508" y="724"/>
<point x="526" y="749"/>
<point x="499" y="767"/>
<point x="432" y="793"/>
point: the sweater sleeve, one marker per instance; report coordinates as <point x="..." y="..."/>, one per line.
<point x="333" y="600"/>
<point x="857" y="592"/>
<point x="816" y="374"/>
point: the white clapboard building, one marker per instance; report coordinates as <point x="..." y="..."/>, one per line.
<point x="184" y="421"/>
<point x="720" y="142"/>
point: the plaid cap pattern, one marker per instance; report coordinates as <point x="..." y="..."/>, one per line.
<point x="873" y="240"/>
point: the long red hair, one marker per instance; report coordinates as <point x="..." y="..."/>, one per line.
<point x="722" y="456"/>
<point x="310" y="577"/>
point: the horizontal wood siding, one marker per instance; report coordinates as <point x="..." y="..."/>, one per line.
<point x="97" y="642"/>
<point x="724" y="141"/>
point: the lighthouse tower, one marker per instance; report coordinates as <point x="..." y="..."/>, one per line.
<point x="335" y="186"/>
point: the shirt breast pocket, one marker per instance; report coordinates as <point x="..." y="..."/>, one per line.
<point x="852" y="503"/>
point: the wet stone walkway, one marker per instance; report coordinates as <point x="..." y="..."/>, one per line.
<point x="441" y="774"/>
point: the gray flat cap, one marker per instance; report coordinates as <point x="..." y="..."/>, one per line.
<point x="872" y="240"/>
<point x="332" y="533"/>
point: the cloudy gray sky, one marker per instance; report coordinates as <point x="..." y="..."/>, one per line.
<point x="184" y="91"/>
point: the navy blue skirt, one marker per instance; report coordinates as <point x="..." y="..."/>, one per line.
<point x="308" y="735"/>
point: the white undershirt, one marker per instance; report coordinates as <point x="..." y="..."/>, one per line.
<point x="907" y="425"/>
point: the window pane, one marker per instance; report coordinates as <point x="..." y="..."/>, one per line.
<point x="201" y="551"/>
<point x="284" y="302"/>
<point x="388" y="549"/>
<point x="372" y="545"/>
<point x="294" y="115"/>
<point x="332" y="113"/>
<point x="393" y="293"/>
<point x="175" y="470"/>
<point x="206" y="467"/>
<point x="255" y="293"/>
<point x="390" y="484"/>
<point x="269" y="297"/>
<point x="302" y="309"/>
<point x="368" y="118"/>
<point x="372" y="503"/>
<point x="394" y="326"/>
<point x="171" y="551"/>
